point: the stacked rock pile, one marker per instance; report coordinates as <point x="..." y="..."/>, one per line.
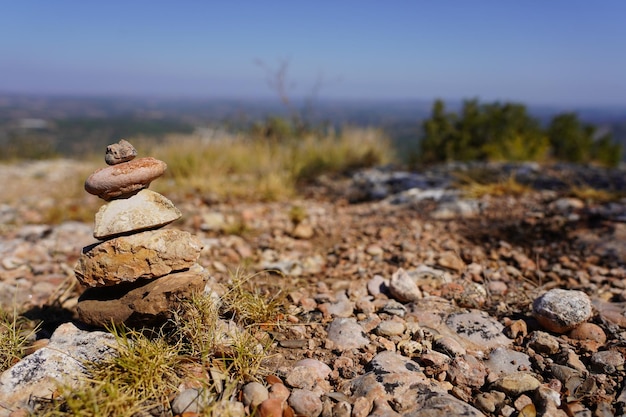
<point x="138" y="271"/>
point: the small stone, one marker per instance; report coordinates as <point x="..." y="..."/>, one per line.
<point x="303" y="231"/>
<point x="608" y="361"/>
<point x="302" y="377"/>
<point x="506" y="361"/>
<point x="589" y="331"/>
<point x="479" y="328"/>
<point x="467" y="370"/>
<point x="374" y="250"/>
<point x="516" y="383"/>
<point x="125" y="178"/>
<point x="390" y="328"/>
<point x="191" y="400"/>
<point x="225" y="408"/>
<point x="543" y="342"/>
<point x="272" y="407"/>
<point x="451" y="260"/>
<point x="253" y="394"/>
<point x="305" y="403"/>
<point x="562" y="310"/>
<point x="393" y="308"/>
<point x="142" y="211"/>
<point x="149" y="254"/>
<point x="490" y="401"/>
<point x="279" y="391"/>
<point x="516" y="328"/>
<point x="320" y="368"/>
<point x="341" y="308"/>
<point x="139" y="303"/>
<point x="449" y="346"/>
<point x="119" y="152"/>
<point x="346" y="334"/>
<point x="377" y="285"/>
<point x="403" y="288"/>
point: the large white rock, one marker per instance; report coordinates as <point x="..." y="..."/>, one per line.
<point x="144" y="210"/>
<point x="61" y="361"/>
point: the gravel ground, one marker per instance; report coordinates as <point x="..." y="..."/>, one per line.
<point x="399" y="305"/>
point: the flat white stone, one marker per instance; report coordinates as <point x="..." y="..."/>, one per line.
<point x="144" y="210"/>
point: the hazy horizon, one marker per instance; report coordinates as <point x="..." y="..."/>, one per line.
<point x="561" y="53"/>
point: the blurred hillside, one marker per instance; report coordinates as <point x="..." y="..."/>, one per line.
<point x="47" y="126"/>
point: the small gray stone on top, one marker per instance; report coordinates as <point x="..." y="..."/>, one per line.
<point x="119" y="152"/>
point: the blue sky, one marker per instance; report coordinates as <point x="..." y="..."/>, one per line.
<point x="534" y="51"/>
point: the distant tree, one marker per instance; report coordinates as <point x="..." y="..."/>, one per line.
<point x="570" y="139"/>
<point x="437" y="143"/>
<point x="606" y="152"/>
<point x="511" y="134"/>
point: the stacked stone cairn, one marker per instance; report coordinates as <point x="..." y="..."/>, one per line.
<point x="138" y="272"/>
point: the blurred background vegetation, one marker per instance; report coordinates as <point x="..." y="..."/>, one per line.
<point x="411" y="134"/>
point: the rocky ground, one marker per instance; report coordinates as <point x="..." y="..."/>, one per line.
<point x="405" y="296"/>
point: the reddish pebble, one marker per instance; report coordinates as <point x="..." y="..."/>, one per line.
<point x="272" y="407"/>
<point x="588" y="331"/>
<point x="124" y="179"/>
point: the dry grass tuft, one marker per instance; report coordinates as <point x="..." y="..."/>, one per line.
<point x="260" y="169"/>
<point x="473" y="188"/>
<point x="15" y="336"/>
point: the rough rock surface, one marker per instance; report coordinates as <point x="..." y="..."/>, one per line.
<point x="119" y="152"/>
<point x="149" y="254"/>
<point x="61" y="361"/>
<point x="140" y="302"/>
<point x="142" y="211"/>
<point x="562" y="310"/>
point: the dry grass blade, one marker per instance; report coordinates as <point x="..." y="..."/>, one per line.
<point x="14" y="338"/>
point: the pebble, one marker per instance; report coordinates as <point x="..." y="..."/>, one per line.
<point x="119" y="152"/>
<point x="451" y="260"/>
<point x="390" y="328"/>
<point x="479" y="328"/>
<point x="253" y="394"/>
<point x="377" y="285"/>
<point x="191" y="400"/>
<point x="607" y="361"/>
<point x="279" y="391"/>
<point x="449" y="346"/>
<point x="272" y="407"/>
<point x="305" y="403"/>
<point x="503" y="361"/>
<point x="403" y="288"/>
<point x="490" y="401"/>
<point x="124" y="179"/>
<point x="516" y="383"/>
<point x="320" y="368"/>
<point x="562" y="310"/>
<point x="345" y="333"/>
<point x="588" y="331"/>
<point x="467" y="370"/>
<point x="543" y="342"/>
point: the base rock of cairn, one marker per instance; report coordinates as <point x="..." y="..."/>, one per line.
<point x="138" y="272"/>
